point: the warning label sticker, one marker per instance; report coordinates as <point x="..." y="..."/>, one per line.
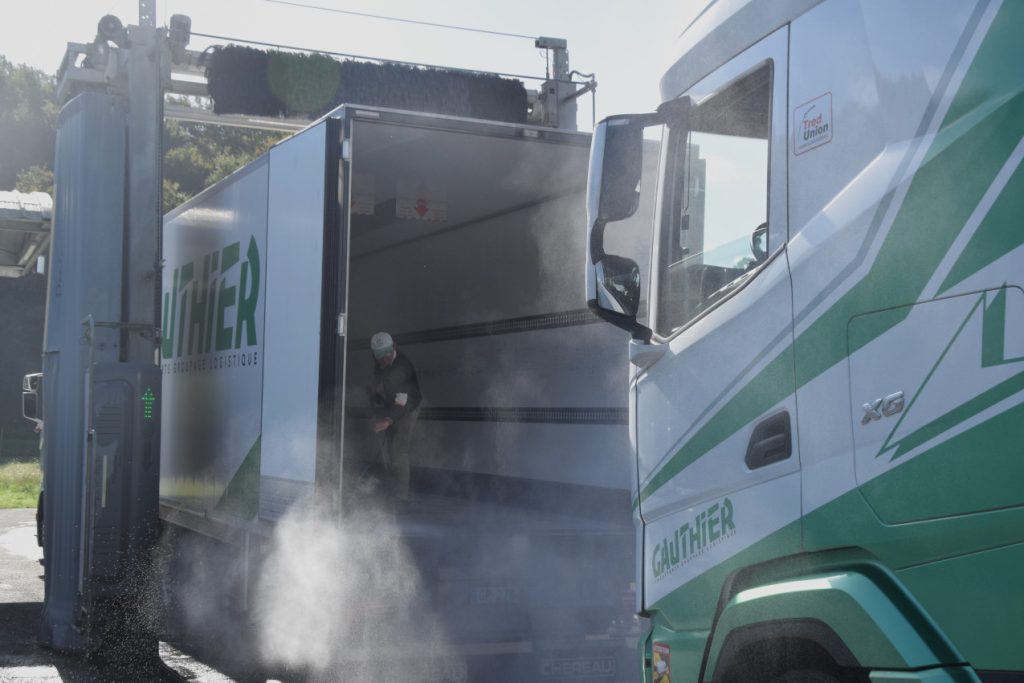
<point x="421" y="200"/>
<point x="363" y="194"/>
<point x="812" y="124"/>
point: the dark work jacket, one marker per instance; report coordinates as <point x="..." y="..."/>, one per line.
<point x="397" y="378"/>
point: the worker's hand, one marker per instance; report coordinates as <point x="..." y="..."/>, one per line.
<point x="381" y="425"/>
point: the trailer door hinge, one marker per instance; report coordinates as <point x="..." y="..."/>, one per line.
<point x="341" y="324"/>
<point x="346" y="150"/>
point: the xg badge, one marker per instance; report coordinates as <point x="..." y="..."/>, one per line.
<point x="883" y="407"/>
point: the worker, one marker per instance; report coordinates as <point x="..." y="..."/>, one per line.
<point x="395" y="404"/>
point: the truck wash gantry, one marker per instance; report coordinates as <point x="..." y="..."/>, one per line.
<point x="101" y="382"/>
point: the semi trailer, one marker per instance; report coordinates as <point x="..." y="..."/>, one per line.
<point x="826" y="386"/>
<point x="462" y="239"/>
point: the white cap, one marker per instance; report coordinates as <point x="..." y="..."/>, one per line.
<point x="381" y="344"/>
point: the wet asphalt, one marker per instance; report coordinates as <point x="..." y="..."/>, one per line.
<point x="23" y="660"/>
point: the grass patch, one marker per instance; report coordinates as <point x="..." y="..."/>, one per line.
<point x="19" y="484"/>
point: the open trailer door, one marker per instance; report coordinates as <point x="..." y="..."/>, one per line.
<point x="305" y="311"/>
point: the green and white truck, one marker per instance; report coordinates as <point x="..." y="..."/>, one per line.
<point x="827" y="390"/>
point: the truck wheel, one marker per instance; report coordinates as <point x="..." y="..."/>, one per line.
<point x="787" y="660"/>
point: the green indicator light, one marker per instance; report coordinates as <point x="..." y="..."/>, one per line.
<point x="147" y="404"/>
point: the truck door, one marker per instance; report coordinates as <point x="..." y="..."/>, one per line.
<point x="334" y="313"/>
<point x="304" y="357"/>
<point x="718" y="464"/>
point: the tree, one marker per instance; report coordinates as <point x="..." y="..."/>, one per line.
<point x="35" y="179"/>
<point x="28" y="119"/>
<point x="197" y="155"/>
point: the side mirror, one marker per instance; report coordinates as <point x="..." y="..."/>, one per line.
<point x="613" y="194"/>
<point x="616" y="159"/>
<point x="30" y="406"/>
<point x="618" y="285"/>
<point x="616" y="165"/>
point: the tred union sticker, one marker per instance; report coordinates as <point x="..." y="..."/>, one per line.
<point x="660" y="665"/>
<point x="812" y="124"/>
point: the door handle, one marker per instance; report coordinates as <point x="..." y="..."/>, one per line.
<point x="771" y="441"/>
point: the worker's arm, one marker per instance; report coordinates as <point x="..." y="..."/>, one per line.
<point x="407" y="391"/>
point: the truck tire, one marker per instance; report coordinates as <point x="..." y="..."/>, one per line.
<point x="786" y="660"/>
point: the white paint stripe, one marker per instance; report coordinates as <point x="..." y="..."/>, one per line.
<point x="710" y="478"/>
<point x="975" y="220"/>
<point x="899" y="186"/>
<point x="741" y="382"/>
<point x="769" y="291"/>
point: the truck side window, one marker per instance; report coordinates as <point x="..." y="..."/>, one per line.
<point x="714" y="232"/>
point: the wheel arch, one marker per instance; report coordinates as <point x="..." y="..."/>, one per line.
<point x="844" y="602"/>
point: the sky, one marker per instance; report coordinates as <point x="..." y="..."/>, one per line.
<point x="626" y="44"/>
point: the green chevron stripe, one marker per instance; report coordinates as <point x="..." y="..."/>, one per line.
<point x="770" y="386"/>
<point x="241" y="496"/>
<point x="979" y="469"/>
<point x="998" y="234"/>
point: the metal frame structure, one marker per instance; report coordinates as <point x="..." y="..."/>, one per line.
<point x="25" y="220"/>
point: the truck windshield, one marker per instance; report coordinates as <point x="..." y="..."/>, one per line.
<point x="714" y="233"/>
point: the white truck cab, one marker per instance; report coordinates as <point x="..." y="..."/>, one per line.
<point x="828" y="342"/>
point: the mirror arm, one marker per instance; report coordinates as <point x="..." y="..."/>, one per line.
<point x="675" y="113"/>
<point x="625" y="322"/>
